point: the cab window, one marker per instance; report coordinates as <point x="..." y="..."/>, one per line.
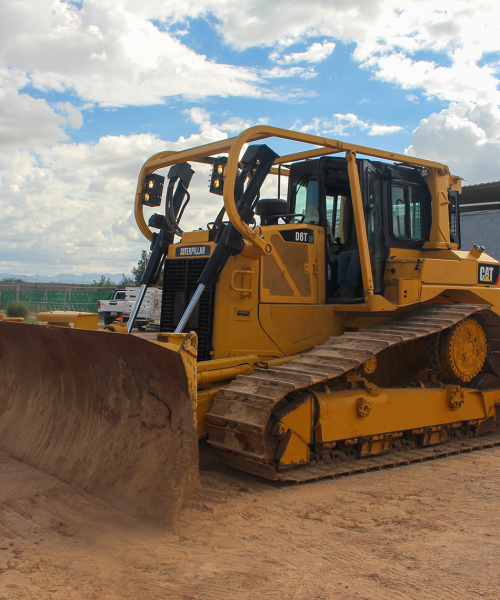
<point x="305" y="195"/>
<point x="340" y="217"/>
<point x="407" y="211"/>
<point x="416" y="201"/>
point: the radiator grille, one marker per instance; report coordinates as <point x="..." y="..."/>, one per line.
<point x="180" y="281"/>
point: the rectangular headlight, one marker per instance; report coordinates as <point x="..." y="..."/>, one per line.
<point x="152" y="190"/>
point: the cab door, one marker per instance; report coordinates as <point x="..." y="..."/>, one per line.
<point x="371" y="184"/>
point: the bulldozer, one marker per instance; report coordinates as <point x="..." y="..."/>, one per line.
<point x="264" y="349"/>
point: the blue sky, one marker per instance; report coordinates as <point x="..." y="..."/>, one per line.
<point x="90" y="89"/>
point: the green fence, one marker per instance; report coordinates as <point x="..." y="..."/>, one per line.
<point x="50" y="298"/>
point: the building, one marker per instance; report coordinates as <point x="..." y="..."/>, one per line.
<point x="480" y="217"/>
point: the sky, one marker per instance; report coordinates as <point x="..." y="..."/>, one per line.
<point x="91" y="88"/>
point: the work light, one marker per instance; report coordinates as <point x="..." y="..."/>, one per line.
<point x="152" y="190"/>
<point x="217" y="179"/>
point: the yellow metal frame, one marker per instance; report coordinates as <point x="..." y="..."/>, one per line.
<point x="64" y="318"/>
<point x="359" y="217"/>
<point x="12" y="319"/>
<point x="439" y="180"/>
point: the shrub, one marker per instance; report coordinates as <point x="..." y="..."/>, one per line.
<point x="17" y="309"/>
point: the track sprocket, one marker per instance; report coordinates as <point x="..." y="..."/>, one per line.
<point x="461" y="350"/>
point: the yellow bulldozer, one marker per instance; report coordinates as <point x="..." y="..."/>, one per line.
<point x="331" y="328"/>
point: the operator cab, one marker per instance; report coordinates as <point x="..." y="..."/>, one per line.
<point x="396" y="202"/>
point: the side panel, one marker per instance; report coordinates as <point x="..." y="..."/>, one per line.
<point x="419" y="276"/>
<point x="449" y="272"/>
<point x="236" y="327"/>
<point x="298" y="327"/>
<point x="295" y="271"/>
<point x="293" y="276"/>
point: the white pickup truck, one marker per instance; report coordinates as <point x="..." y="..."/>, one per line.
<point x="120" y="303"/>
<point x="112" y="308"/>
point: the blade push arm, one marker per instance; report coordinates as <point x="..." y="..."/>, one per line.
<point x="180" y="175"/>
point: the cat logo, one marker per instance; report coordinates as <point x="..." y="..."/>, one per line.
<point x="193" y="251"/>
<point x="488" y="274"/>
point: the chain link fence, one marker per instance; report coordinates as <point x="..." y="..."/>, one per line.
<point x="42" y="297"/>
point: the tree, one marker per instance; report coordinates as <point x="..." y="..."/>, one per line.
<point x="103" y="283"/>
<point x="128" y="281"/>
<point x="138" y="271"/>
<point x="12" y="279"/>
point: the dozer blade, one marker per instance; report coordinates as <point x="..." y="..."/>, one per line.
<point x="108" y="412"/>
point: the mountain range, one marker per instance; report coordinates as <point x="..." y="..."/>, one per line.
<point x="85" y="278"/>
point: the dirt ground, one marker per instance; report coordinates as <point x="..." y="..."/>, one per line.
<point x="428" y="530"/>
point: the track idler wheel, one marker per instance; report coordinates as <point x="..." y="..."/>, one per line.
<point x="486" y="381"/>
<point x="461" y="350"/>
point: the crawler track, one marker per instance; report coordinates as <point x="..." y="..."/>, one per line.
<point x="239" y="420"/>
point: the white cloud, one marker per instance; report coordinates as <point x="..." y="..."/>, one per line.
<point x="463" y="80"/>
<point x="277" y="72"/>
<point x="466" y="137"/>
<point x="198" y="115"/>
<point x="315" y="53"/>
<point x="110" y="54"/>
<point x="384" y="129"/>
<point x="388" y="35"/>
<point x="73" y="203"/>
<point x="235" y="125"/>
<point x="74" y="117"/>
<point x="29" y="122"/>
<point x="373" y="26"/>
<point x="339" y="124"/>
<point x="202" y="117"/>
<point x="121" y="52"/>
